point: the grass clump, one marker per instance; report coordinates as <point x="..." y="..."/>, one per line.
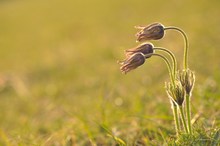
<point x="201" y="137"/>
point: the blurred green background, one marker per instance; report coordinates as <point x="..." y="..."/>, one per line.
<point x="59" y="77"/>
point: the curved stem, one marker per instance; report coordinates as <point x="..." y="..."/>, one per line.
<point x="168" y="65"/>
<point x="183" y="118"/>
<point x="186" y="47"/>
<point x="172" y="57"/>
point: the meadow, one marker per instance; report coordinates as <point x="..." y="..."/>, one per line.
<point x="60" y="84"/>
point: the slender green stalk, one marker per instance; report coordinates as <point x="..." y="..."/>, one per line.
<point x="183" y="118"/>
<point x="176" y="117"/>
<point x="168" y="66"/>
<point x="188" y="112"/>
<point x="186" y="47"/>
<point x="172" y="57"/>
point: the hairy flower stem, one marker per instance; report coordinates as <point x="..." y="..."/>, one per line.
<point x="188" y="113"/>
<point x="186" y="47"/>
<point x="183" y="119"/>
<point x="172" y="57"/>
<point x="168" y="66"/>
<point x="176" y="117"/>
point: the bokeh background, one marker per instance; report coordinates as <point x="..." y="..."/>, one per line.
<point x="59" y="77"/>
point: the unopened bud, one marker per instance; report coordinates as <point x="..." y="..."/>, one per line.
<point x="153" y="31"/>
<point x="145" y="48"/>
<point x="132" y="62"/>
<point x="187" y="79"/>
<point x="176" y="93"/>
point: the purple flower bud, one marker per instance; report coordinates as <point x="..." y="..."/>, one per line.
<point x="145" y="48"/>
<point x="132" y="62"/>
<point x="153" y="31"/>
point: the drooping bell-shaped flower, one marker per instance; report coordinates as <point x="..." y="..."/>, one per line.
<point x="145" y="48"/>
<point x="153" y="31"/>
<point x="132" y="62"/>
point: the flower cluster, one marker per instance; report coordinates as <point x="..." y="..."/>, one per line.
<point x="181" y="84"/>
<point x="135" y="57"/>
<point x="152" y="32"/>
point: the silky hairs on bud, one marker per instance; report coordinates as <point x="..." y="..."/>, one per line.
<point x="132" y="62"/>
<point x="153" y="31"/>
<point x="145" y="48"/>
<point x="177" y="93"/>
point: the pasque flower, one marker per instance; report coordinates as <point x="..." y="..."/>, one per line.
<point x="132" y="62"/>
<point x="153" y="31"/>
<point x="145" y="48"/>
<point x="179" y="89"/>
